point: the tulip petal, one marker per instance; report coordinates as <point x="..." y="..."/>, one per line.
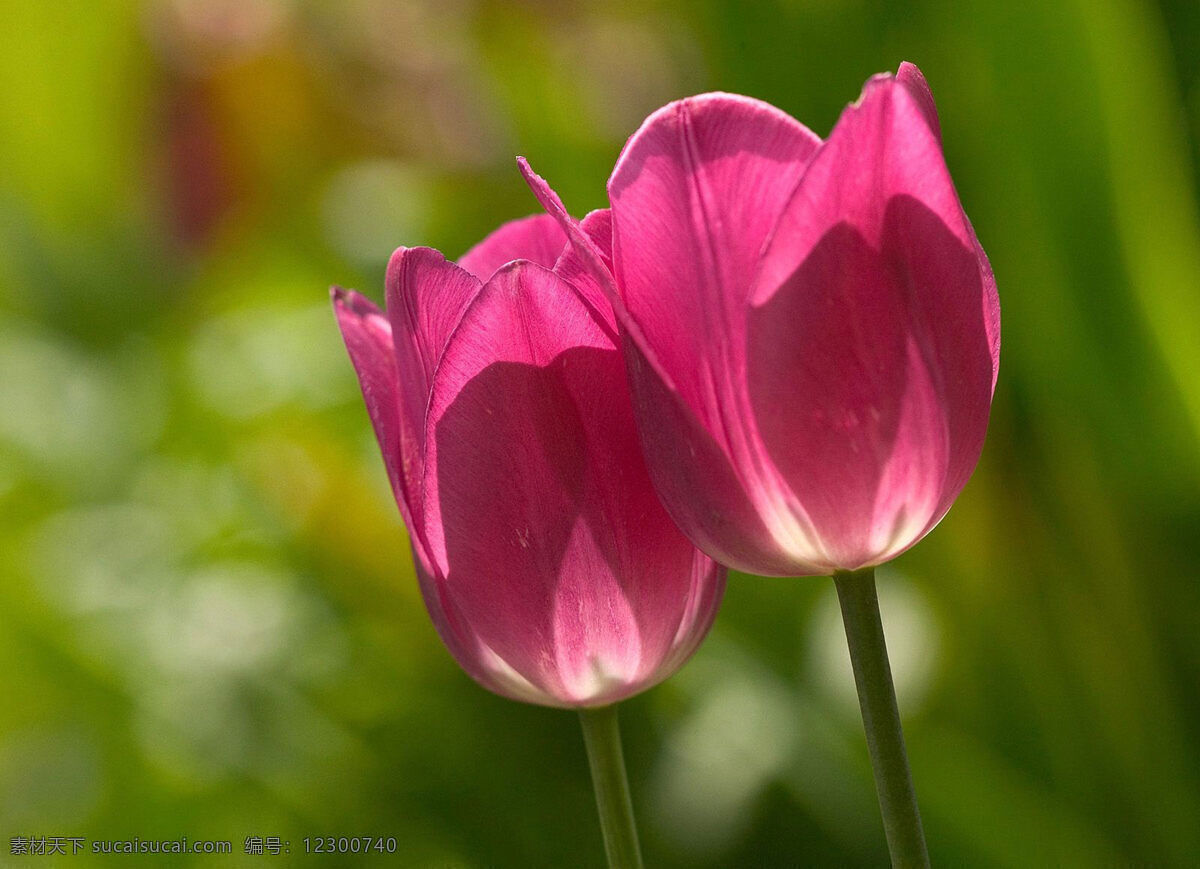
<point x="368" y="337"/>
<point x="874" y="332"/>
<point x="704" y="599"/>
<point x="426" y="298"/>
<point x="537" y="238"/>
<point x="694" y="195"/>
<point x="538" y="506"/>
<point x="575" y="270"/>
<point x="692" y="472"/>
<point x="912" y="78"/>
<point x="697" y="482"/>
<point x="954" y="318"/>
<point x="827" y="372"/>
<point x="456" y="635"/>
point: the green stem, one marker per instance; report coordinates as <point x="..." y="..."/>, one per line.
<point x="881" y="718"/>
<point x="602" y="735"/>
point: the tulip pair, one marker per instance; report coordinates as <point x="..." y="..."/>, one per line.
<point x="773" y="352"/>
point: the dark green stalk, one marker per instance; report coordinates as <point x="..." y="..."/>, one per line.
<point x="602" y="735"/>
<point x="881" y="717"/>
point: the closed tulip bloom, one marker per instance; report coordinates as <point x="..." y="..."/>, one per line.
<point x="812" y="328"/>
<point x="500" y="402"/>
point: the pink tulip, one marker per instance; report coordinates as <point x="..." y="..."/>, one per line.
<point x="811" y="328"/>
<point x="499" y="398"/>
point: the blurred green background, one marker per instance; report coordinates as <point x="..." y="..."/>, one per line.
<point x="208" y="620"/>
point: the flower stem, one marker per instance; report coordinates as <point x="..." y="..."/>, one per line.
<point x="881" y="718"/>
<point x="602" y="735"/>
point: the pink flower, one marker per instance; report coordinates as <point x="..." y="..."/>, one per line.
<point x="500" y="402"/>
<point x="811" y="328"/>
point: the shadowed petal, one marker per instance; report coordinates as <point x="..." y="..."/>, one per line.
<point x="537" y="238"/>
<point x="953" y="317"/>
<point x="914" y="80"/>
<point x="874" y="332"/>
<point x="826" y="377"/>
<point x="539" y="510"/>
<point x="426" y="298"/>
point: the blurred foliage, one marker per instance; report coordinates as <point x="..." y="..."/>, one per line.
<point x="208" y="621"/>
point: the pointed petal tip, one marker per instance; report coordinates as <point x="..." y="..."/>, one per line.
<point x="910" y="76"/>
<point x="544" y="193"/>
<point x="352" y="302"/>
<point x="527" y="171"/>
<point x="591" y="257"/>
<point x="908" y="80"/>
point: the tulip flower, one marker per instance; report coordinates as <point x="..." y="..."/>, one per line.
<point x="499" y="399"/>
<point x="811" y="327"/>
